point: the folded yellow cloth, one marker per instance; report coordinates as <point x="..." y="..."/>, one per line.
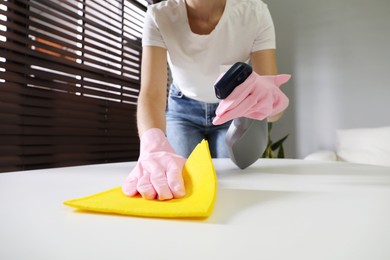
<point x="201" y="188"/>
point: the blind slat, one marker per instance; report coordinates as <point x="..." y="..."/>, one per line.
<point x="62" y="64"/>
<point x="69" y="53"/>
<point x="48" y="99"/>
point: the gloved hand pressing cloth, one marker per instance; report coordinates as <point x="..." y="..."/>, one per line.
<point x="158" y="172"/>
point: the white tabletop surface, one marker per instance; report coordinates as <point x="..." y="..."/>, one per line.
<point x="276" y="209"/>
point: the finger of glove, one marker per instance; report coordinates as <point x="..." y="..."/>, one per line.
<point x="259" y="113"/>
<point x="145" y="187"/>
<point x="175" y="180"/>
<point x="239" y="111"/>
<point x="257" y="116"/>
<point x="261" y="110"/>
<point x="159" y="180"/>
<point x="227" y="116"/>
<point x="129" y="186"/>
<point x="281" y="102"/>
<point x="239" y="94"/>
<point x="218" y="121"/>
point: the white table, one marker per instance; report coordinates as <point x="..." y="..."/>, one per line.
<point x="276" y="209"/>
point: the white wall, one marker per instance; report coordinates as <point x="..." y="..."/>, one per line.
<point x="338" y="52"/>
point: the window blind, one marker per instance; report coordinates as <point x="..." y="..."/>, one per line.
<point x="69" y="81"/>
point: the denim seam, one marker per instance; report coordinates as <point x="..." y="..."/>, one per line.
<point x="208" y="117"/>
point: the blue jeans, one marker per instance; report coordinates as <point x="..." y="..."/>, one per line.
<point x="190" y="121"/>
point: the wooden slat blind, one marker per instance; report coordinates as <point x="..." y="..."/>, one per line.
<point x="69" y="82"/>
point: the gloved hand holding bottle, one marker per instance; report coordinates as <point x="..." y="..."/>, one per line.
<point x="158" y="172"/>
<point x="258" y="97"/>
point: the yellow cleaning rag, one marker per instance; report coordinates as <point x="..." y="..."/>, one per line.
<point x="201" y="188"/>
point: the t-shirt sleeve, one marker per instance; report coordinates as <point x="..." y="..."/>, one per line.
<point x="265" y="38"/>
<point x="151" y="34"/>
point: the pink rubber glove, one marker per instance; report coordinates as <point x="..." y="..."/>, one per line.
<point x="158" y="173"/>
<point x="258" y="97"/>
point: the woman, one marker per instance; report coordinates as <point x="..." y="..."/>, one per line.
<point x="199" y="39"/>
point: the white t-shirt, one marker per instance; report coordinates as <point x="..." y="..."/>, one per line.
<point x="196" y="61"/>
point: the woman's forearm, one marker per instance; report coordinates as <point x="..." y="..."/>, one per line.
<point x="150" y="114"/>
<point x="152" y="99"/>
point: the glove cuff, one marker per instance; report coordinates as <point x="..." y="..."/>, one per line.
<point x="154" y="140"/>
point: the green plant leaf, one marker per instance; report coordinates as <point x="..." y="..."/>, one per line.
<point x="279" y="143"/>
<point x="281" y="152"/>
<point x="267" y="153"/>
<point x="274" y="150"/>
